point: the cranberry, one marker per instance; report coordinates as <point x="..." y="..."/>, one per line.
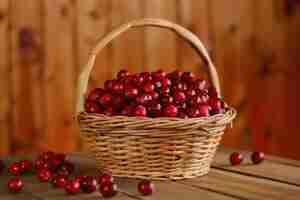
<point x="126" y="111"/>
<point x="41" y="164"/>
<point x="140" y="111"/>
<point x="138" y="80"/>
<point x="143" y="99"/>
<point x="188" y="77"/>
<point x="88" y="184"/>
<point x="179" y="97"/>
<point x="72" y="187"/>
<point x="2" y="166"/>
<point x="170" y="111"/>
<point x="105" y="178"/>
<point x="109" y="111"/>
<point x="59" y="181"/>
<point x="108" y="85"/>
<point x="158" y="75"/>
<point x="92" y="107"/>
<point x="164" y="91"/>
<point x="105" y="99"/>
<point x="236" y="158"/>
<point x="149" y="87"/>
<point x="182" y="106"/>
<point x="216" y="105"/>
<point x="62" y="172"/>
<point x="80" y="178"/>
<point x="197" y="100"/>
<point x="118" y="101"/>
<point x="15" y="185"/>
<point x="154" y="109"/>
<point x="15" y="169"/>
<point x="131" y="92"/>
<point x="154" y="95"/>
<point x="146" y="187"/>
<point x="179" y="86"/>
<point x="67" y="165"/>
<point x="117" y="87"/>
<point x="257" y="157"/>
<point x="193" y="112"/>
<point x="200" y="84"/>
<point x="166" y="100"/>
<point x="165" y="83"/>
<point x="54" y="163"/>
<point x="146" y="76"/>
<point x="190" y="92"/>
<point x="204" y="110"/>
<point x="95" y="94"/>
<point x="108" y="190"/>
<point x="182" y="115"/>
<point x="122" y="74"/>
<point x="44" y="175"/>
<point x="175" y="75"/>
<point x="26" y="166"/>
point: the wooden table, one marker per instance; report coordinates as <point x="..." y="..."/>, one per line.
<point x="275" y="178"/>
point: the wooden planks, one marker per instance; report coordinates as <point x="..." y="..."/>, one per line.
<point x="27" y="70"/>
<point x="5" y="78"/>
<point x="127" y="49"/>
<point x="60" y="75"/>
<point x="160" y="45"/>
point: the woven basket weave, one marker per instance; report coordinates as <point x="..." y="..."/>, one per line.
<point x="154" y="148"/>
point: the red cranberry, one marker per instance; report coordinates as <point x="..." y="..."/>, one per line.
<point x="170" y="111"/>
<point x="236" y="158"/>
<point x="2" y="166"/>
<point x="122" y="74"/>
<point x="117" y="87"/>
<point x="165" y="83"/>
<point x="146" y="76"/>
<point x="216" y="105"/>
<point x="140" y="111"/>
<point x="72" y="187"/>
<point x="15" y="185"/>
<point x="182" y="115"/>
<point x="126" y="111"/>
<point x="26" y="166"/>
<point x="197" y="100"/>
<point x="158" y="75"/>
<point x="193" y="112"/>
<point x="118" y="101"/>
<point x="164" y="91"/>
<point x="89" y="184"/>
<point x="62" y="172"/>
<point x="179" y="97"/>
<point x="109" y="111"/>
<point x="179" y="86"/>
<point x="44" y="175"/>
<point x="92" y="107"/>
<point x="154" y="109"/>
<point x="138" y="80"/>
<point x="108" y="85"/>
<point x="131" y="92"/>
<point x="175" y="75"/>
<point x="166" y="100"/>
<point x="105" y="99"/>
<point x="143" y="99"/>
<point x="204" y="110"/>
<point x="154" y="95"/>
<point x="15" y="169"/>
<point x="200" y="85"/>
<point x="41" y="164"/>
<point x="190" y="92"/>
<point x="80" y="178"/>
<point x="95" y="94"/>
<point x="188" y="77"/>
<point x="108" y="190"/>
<point x="149" y="87"/>
<point x="257" y="157"/>
<point x="67" y="165"/>
<point x="146" y="187"/>
<point x="59" y="181"/>
<point x="182" y="106"/>
<point x="105" y="178"/>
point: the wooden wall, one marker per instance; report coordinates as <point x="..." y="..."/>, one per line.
<point x="43" y="44"/>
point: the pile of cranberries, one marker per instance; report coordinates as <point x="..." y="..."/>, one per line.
<point x="56" y="169"/>
<point x="155" y="94"/>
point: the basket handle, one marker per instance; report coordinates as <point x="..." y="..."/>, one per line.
<point x="184" y="33"/>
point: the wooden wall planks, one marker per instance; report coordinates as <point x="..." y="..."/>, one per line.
<point x="254" y="44"/>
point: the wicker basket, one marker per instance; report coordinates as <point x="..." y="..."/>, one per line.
<point x="154" y="148"/>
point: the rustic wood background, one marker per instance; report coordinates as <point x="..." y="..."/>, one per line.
<point x="254" y="43"/>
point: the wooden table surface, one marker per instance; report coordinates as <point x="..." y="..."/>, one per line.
<point x="275" y="178"/>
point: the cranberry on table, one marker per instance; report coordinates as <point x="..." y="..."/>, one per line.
<point x="15" y="169"/>
<point x="146" y="187"/>
<point x="105" y="178"/>
<point x="88" y="184"/>
<point x="44" y="175"/>
<point x="15" y="185"/>
<point x="72" y="187"/>
<point x="236" y="158"/>
<point x="59" y="181"/>
<point x="170" y="111"/>
<point x="257" y="157"/>
<point x="108" y="189"/>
